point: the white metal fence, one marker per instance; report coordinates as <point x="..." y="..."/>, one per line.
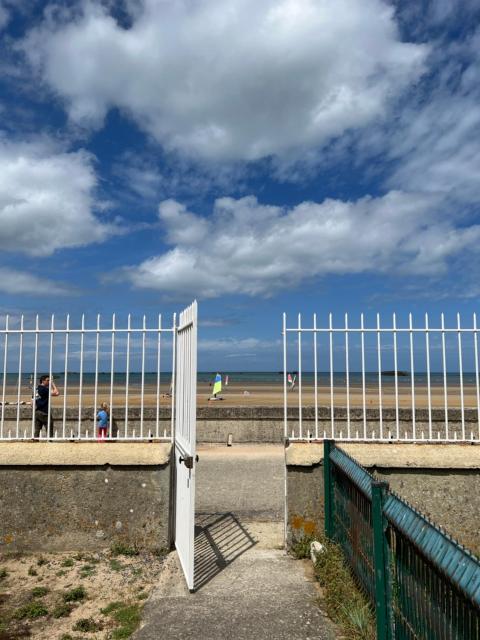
<point x="387" y="381"/>
<point x="129" y="367"/>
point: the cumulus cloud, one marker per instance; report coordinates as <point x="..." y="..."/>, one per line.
<point x="249" y="248"/>
<point x="436" y="143"/>
<point x="47" y="199"/>
<point x="22" y="282"/>
<point x="228" y="80"/>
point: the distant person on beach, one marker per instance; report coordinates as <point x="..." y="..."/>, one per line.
<point x="102" y="421"/>
<point x="42" y="400"/>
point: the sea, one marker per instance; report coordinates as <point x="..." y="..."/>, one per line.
<point x="248" y="378"/>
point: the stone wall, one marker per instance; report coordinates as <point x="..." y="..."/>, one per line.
<point x="442" y="481"/>
<point x="79" y="496"/>
<point x="255" y="424"/>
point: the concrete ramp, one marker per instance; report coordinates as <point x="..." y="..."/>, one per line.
<point x="261" y="594"/>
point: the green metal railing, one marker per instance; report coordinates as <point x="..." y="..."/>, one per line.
<point x="422" y="583"/>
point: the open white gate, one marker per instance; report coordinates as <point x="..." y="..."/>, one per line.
<point x="185" y="436"/>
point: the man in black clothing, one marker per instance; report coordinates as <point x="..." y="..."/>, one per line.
<point x="42" y="400"/>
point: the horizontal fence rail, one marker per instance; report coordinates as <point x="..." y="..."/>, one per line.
<point x="383" y="382"/>
<point x="126" y="367"/>
<point x="422" y="583"/>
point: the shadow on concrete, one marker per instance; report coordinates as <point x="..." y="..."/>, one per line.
<point x="220" y="538"/>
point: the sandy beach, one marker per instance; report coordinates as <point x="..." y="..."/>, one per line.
<point x="236" y="395"/>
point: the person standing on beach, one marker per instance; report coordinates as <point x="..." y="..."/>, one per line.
<point x="42" y="400"/>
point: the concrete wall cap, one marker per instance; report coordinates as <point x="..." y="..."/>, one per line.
<point x="387" y="455"/>
<point x="304" y="454"/>
<point x="84" y="453"/>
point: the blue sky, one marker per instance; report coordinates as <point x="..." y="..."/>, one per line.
<point x="289" y="155"/>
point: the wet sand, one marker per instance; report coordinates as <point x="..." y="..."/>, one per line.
<point x="264" y="395"/>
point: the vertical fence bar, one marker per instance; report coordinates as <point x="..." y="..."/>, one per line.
<point x="444" y="367"/>
<point x="65" y="374"/>
<point x="315" y="373"/>
<point x="35" y="373"/>
<point x="381" y="560"/>
<point x="395" y="372"/>
<point x="50" y="374"/>
<point x="412" y="376"/>
<point x="332" y="416"/>
<point x="19" y="390"/>
<point x="347" y="377"/>
<point x="300" y="426"/>
<point x="112" y="375"/>
<point x="80" y="382"/>
<point x="5" y="354"/>
<point x="157" y="415"/>
<point x="95" y="392"/>
<point x="460" y="366"/>
<point x="477" y="386"/>
<point x="142" y="397"/>
<point x="364" y="399"/>
<point x="429" y="385"/>
<point x="127" y="375"/>
<point x="174" y="357"/>
<point x="285" y="400"/>
<point x="328" y="446"/>
<point x="379" y="356"/>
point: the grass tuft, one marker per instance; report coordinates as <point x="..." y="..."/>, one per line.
<point x="3" y="574"/>
<point x="123" y="549"/>
<point x="115" y="565"/>
<point x="87" y="624"/>
<point x="345" y="604"/>
<point x="127" y="617"/>
<point x="75" y="595"/>
<point x="32" y="571"/>
<point x="68" y="562"/>
<point x="39" y="592"/>
<point x="301" y="547"/>
<point x="112" y="606"/>
<point x="31" y="611"/>
<point x="87" y="570"/>
<point x="41" y="561"/>
<point x="62" y="610"/>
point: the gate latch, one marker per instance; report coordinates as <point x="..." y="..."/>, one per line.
<point x="188" y="461"/>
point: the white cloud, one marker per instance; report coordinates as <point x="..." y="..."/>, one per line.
<point x="229" y="80"/>
<point x="4" y="16"/>
<point x="436" y="139"/>
<point x="22" y="282"/>
<point x="248" y="248"/>
<point x="47" y="199"/>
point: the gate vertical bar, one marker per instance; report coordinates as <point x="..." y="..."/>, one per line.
<point x="285" y="409"/>
<point x="19" y="389"/>
<point x="34" y="390"/>
<point x="65" y="376"/>
<point x="315" y="373"/>
<point x="412" y="376"/>
<point x="300" y="406"/>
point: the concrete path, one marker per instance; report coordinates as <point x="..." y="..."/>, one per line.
<point x="247" y="587"/>
<point x="245" y="479"/>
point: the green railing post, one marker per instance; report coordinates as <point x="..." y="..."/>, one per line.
<point x="328" y="445"/>
<point x="381" y="560"/>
